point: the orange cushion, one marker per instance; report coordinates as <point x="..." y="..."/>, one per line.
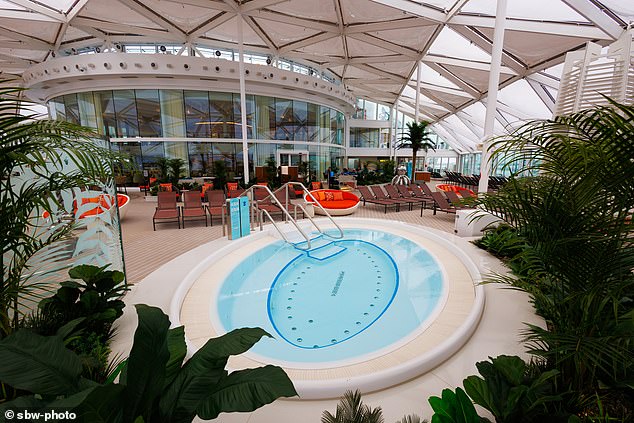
<point x="337" y="196"/>
<point x="341" y="204"/>
<point x="165" y="187"/>
<point x="329" y="196"/>
<point x="319" y="195"/>
<point x="232" y="186"/>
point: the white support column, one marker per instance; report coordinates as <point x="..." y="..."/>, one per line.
<point x="492" y="96"/>
<point x="243" y="103"/>
<point x="390" y="134"/>
<point x="393" y="146"/>
<point x="416" y="111"/>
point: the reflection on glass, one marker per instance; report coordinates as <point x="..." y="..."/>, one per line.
<point x="265" y="116"/>
<point x="324" y="124"/>
<point x="312" y="123"/>
<point x="151" y="152"/>
<point x="105" y="103"/>
<point x="300" y="120"/>
<point x="221" y="120"/>
<point x="284" y="124"/>
<point x="72" y="108"/>
<point x="149" y="111"/>
<point x="197" y="114"/>
<point x="125" y="111"/>
<point x="250" y="111"/>
<point x="172" y="114"/>
<point x="87" y="111"/>
<point x="200" y="158"/>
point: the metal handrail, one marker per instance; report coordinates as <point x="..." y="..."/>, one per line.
<point x="250" y="191"/>
<point x="315" y="203"/>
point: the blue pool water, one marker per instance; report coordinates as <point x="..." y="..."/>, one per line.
<point x="341" y="300"/>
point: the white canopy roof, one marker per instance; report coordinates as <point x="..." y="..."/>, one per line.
<point x="374" y="46"/>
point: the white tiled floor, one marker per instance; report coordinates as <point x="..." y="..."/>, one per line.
<point x="148" y="255"/>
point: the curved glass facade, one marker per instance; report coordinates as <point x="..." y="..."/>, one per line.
<point x="211" y="120"/>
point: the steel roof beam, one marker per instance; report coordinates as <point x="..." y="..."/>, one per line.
<point x="595" y="15"/>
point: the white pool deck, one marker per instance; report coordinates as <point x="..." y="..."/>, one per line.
<point x="498" y="332"/>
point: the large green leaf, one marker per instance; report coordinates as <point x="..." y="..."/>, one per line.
<point x="247" y="390"/>
<point x="103" y="405"/>
<point x="39" y="364"/>
<point x="146" y="364"/>
<point x="178" y="350"/>
<point x="478" y="389"/>
<point x="454" y="408"/>
<point x="201" y="373"/>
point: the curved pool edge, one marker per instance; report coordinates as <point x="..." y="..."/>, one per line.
<point x="377" y="380"/>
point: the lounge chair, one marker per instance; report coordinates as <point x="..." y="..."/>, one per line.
<point x="394" y="194"/>
<point x="456" y="201"/>
<point x="441" y="203"/>
<point x="234" y="193"/>
<point x="380" y="195"/>
<point x="367" y="196"/>
<point x="217" y="204"/>
<point x="193" y="208"/>
<point x="406" y="193"/>
<point x="166" y="209"/>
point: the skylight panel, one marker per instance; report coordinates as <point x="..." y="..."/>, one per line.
<point x="539" y="10"/>
<point x="450" y="43"/>
<point x="520" y="96"/>
<point x="624" y="9"/>
<point x="430" y="76"/>
<point x="60" y="5"/>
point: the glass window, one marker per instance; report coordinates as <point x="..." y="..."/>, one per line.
<point x="200" y="158"/>
<point x="87" y="111"/>
<point x="172" y="116"/>
<point x="221" y="120"/>
<point x="151" y="152"/>
<point x="133" y="149"/>
<point x="383" y="113"/>
<point x="324" y="124"/>
<point x="105" y="103"/>
<point x="300" y="119"/>
<point x="149" y="111"/>
<point x="370" y="110"/>
<point x="312" y="122"/>
<point x="265" y="117"/>
<point x="225" y="152"/>
<point x="284" y="125"/>
<point x="72" y="108"/>
<point x="125" y="110"/>
<point x="250" y="107"/>
<point x="197" y="114"/>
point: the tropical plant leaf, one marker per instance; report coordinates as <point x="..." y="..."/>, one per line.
<point x="203" y="371"/>
<point x="103" y="405"/>
<point x="178" y="350"/>
<point x="246" y="390"/>
<point x="52" y="368"/>
<point x="146" y="364"/>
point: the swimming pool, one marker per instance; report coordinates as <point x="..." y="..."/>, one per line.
<point x="447" y="327"/>
<point x="344" y="299"/>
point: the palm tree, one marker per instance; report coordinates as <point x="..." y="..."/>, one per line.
<point x="352" y="410"/>
<point x="417" y="138"/>
<point x="40" y="148"/>
<point x="578" y="262"/>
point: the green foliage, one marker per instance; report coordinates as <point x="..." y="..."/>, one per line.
<point x="272" y="177"/>
<point x="220" y="172"/>
<point x="175" y="168"/>
<point x="512" y="391"/>
<point x="156" y="385"/>
<point x="163" y="169"/>
<point x="417" y="138"/>
<point x="412" y="418"/>
<point x="93" y="294"/>
<point x="454" y="407"/>
<point x="502" y="241"/>
<point x="351" y="409"/>
<point x="578" y="261"/>
<point x="43" y="147"/>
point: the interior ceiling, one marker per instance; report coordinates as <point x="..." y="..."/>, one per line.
<point x="374" y="46"/>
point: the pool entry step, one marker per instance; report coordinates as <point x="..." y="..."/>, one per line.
<point x="321" y="248"/>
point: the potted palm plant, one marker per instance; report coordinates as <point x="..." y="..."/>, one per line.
<point x="417" y="138"/>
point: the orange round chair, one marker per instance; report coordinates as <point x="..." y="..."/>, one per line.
<point x="455" y="188"/>
<point x="335" y="202"/>
<point x="103" y="202"/>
